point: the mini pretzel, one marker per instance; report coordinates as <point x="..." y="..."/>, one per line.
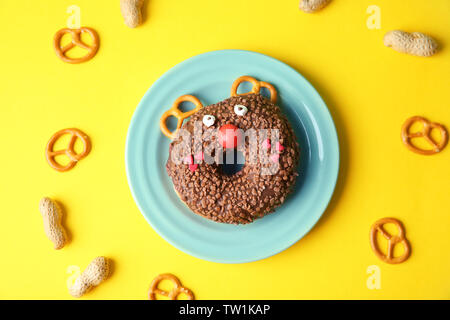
<point x="425" y="133"/>
<point x="173" y="293"/>
<point x="76" y="41"/>
<point x="50" y="154"/>
<point x="255" y="89"/>
<point x="177" y="113"/>
<point x="392" y="241"/>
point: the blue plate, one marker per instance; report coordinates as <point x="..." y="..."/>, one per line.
<point x="209" y="77"/>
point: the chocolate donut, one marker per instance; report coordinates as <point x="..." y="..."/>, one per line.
<point x="266" y="178"/>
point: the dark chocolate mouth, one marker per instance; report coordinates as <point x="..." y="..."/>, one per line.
<point x="233" y="162"/>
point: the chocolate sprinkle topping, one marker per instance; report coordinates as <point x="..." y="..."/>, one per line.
<point x="246" y="195"/>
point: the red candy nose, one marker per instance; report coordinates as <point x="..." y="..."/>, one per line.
<point x="230" y="136"/>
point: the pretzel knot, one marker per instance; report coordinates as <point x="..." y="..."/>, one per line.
<point x="173" y="293"/>
<point x="257" y="85"/>
<point x="392" y="241"/>
<point x="76" y="42"/>
<point x="425" y="133"/>
<point x="177" y="113"/>
<point x="74" y="157"/>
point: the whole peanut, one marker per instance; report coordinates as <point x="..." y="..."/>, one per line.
<point x="132" y="12"/>
<point x="95" y="273"/>
<point x="414" y="43"/>
<point x="310" y="6"/>
<point x="52" y="215"/>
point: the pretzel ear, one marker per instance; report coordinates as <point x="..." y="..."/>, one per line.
<point x="177" y="113"/>
<point x="255" y="88"/>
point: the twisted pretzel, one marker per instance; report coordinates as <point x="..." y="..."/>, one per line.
<point x="255" y="89"/>
<point x="76" y="41"/>
<point x="177" y="113"/>
<point x="50" y="154"/>
<point x="425" y="133"/>
<point x="392" y="241"/>
<point x="173" y="293"/>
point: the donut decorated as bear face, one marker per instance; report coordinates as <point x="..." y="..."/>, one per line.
<point x="234" y="161"/>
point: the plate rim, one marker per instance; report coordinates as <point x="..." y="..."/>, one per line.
<point x="331" y="185"/>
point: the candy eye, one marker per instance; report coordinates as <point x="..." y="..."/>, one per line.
<point x="240" y="110"/>
<point x="208" y="120"/>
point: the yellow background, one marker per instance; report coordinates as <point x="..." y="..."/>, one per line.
<point x="369" y="89"/>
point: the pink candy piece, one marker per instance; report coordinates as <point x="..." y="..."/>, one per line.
<point x="188" y="160"/>
<point x="279" y="147"/>
<point x="266" y="144"/>
<point x="199" y="156"/>
<point x="275" y="157"/>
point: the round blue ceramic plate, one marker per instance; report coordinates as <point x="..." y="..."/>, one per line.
<point x="209" y="77"/>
